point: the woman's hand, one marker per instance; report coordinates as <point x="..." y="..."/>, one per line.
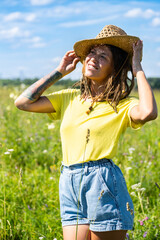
<point x="136" y="60"/>
<point x="68" y="63"/>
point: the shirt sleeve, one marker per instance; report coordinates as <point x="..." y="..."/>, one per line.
<point x="133" y="103"/>
<point x="56" y="100"/>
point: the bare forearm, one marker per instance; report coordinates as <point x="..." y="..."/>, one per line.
<point x="35" y="90"/>
<point x="147" y="103"/>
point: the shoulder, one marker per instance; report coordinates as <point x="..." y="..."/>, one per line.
<point x="69" y="91"/>
<point x="127" y="103"/>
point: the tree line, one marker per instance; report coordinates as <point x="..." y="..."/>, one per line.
<point x="153" y="81"/>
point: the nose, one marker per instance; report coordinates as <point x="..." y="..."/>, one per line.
<point x="93" y="58"/>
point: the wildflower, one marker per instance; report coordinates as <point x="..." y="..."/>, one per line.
<point x="41" y="238"/>
<point x="131" y="150"/>
<point x="7" y="153"/>
<point x="51" y="178"/>
<point x="130" y="158"/>
<point x="44" y="151"/>
<point x="51" y="126"/>
<point x="13" y="96"/>
<point x="10" y="150"/>
<point x="136" y="186"/>
<point x="133" y="194"/>
<point x="127" y="235"/>
<point x="22" y="86"/>
<point x="145" y="234"/>
<point x="29" y="207"/>
<point x="142" y="189"/>
<point x="141" y="223"/>
<point x="128" y="168"/>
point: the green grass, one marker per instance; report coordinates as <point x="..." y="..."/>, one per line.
<point x="30" y="159"/>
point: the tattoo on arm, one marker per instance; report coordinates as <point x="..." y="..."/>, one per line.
<point x="36" y="89"/>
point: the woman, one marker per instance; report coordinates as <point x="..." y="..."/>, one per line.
<point x="94" y="200"/>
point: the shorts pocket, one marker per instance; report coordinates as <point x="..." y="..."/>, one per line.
<point x="107" y="181"/>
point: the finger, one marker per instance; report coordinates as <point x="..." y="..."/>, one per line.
<point x="71" y="52"/>
<point x="75" y="61"/>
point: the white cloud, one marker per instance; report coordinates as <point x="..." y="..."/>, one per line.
<point x="134" y="12"/>
<point x="158" y="49"/>
<point x="14" y="32"/>
<point x="87" y="22"/>
<point x="138" y="12"/>
<point x="38" y="45"/>
<point x="13" y="16"/>
<point x="28" y="17"/>
<point x="40" y="2"/>
<point x="156" y="22"/>
<point x="35" y="42"/>
<point x="158" y="64"/>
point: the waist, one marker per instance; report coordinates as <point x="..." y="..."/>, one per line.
<point x="89" y="164"/>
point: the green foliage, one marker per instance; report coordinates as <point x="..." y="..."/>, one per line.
<point x="30" y="159"/>
<point x="153" y="81"/>
<point x="17" y="82"/>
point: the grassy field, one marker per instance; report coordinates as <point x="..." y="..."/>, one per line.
<point x="30" y="159"/>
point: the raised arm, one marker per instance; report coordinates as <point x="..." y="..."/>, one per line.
<point x="32" y="101"/>
<point x="147" y="108"/>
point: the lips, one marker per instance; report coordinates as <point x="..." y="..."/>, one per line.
<point x="92" y="66"/>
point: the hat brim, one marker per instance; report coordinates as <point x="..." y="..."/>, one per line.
<point x="125" y="42"/>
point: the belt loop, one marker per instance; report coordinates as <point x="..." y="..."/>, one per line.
<point x="85" y="167"/>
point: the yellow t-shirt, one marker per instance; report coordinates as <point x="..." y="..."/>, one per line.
<point x="104" y="124"/>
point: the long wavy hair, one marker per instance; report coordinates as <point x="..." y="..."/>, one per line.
<point x="118" y="86"/>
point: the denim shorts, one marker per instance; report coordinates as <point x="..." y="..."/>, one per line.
<point x="95" y="193"/>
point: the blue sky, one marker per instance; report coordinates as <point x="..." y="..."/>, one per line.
<point x="35" y="34"/>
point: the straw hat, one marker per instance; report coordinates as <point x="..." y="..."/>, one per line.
<point x="111" y="35"/>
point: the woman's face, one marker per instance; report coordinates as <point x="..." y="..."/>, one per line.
<point x="98" y="64"/>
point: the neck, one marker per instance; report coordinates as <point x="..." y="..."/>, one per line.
<point x="97" y="88"/>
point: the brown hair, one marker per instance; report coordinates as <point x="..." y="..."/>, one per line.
<point x="118" y="86"/>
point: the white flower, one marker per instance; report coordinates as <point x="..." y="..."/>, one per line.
<point x="13" y="96"/>
<point x="7" y="153"/>
<point x="51" y="178"/>
<point x="10" y="150"/>
<point x="55" y="239"/>
<point x="142" y="189"/>
<point x="41" y="237"/>
<point x="131" y="150"/>
<point x="130" y="158"/>
<point x="133" y="194"/>
<point x="51" y="126"/>
<point x="23" y="86"/>
<point x="149" y="164"/>
<point x="128" y="168"/>
<point x="45" y="151"/>
<point x="136" y="186"/>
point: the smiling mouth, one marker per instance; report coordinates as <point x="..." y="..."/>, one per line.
<point x="90" y="66"/>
